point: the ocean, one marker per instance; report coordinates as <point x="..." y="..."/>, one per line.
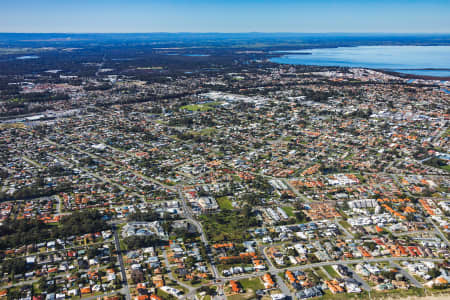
<point x="416" y="60"/>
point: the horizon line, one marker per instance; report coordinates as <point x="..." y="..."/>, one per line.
<point x="224" y="32"/>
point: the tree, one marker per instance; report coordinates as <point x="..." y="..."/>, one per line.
<point x="434" y="272"/>
<point x="189" y="262"/>
<point x="247" y="211"/>
<point x="301" y="217"/>
<point x="388" y="274"/>
<point x="208" y="290"/>
<point x="20" y="232"/>
<point x="410" y="217"/>
<point x="137" y="276"/>
<point x="92" y="252"/>
<point x="14" y="266"/>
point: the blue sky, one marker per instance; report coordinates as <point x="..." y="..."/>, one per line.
<point x="403" y="16"/>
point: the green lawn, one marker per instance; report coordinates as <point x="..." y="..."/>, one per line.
<point x="208" y="131"/>
<point x="200" y="107"/>
<point x="228" y="225"/>
<point x="321" y="274"/>
<point x="162" y="294"/>
<point x="331" y="271"/>
<point x="289" y="211"/>
<point x="446" y="168"/>
<point x="123" y="246"/>
<point x="342" y="213"/>
<point x="253" y="283"/>
<point x="345" y="225"/>
<point x="196" y="107"/>
<point x="224" y="203"/>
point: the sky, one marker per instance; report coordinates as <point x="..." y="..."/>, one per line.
<point x="313" y="16"/>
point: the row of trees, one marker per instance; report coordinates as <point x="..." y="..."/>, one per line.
<point x="16" y="233"/>
<point x="138" y="242"/>
<point x="36" y="191"/>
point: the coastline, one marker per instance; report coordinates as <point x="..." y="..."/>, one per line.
<point x="413" y="61"/>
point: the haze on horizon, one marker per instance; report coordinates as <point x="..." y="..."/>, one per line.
<point x="135" y="16"/>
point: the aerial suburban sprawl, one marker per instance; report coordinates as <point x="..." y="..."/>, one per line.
<point x="176" y="172"/>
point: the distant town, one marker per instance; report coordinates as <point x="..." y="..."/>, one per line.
<point x="217" y="174"/>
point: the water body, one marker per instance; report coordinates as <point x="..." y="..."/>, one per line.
<point x="27" y="57"/>
<point x="123" y="59"/>
<point x="197" y="55"/>
<point x="417" y="60"/>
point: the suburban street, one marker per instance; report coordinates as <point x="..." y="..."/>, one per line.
<point x="121" y="264"/>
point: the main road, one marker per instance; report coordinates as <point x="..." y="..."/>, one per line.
<point x="189" y="215"/>
<point x="121" y="264"/>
